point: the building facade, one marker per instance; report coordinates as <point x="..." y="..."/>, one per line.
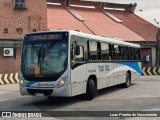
<point x="106" y="19"/>
<point x="17" y="18"/>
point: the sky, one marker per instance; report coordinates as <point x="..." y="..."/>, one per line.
<point x="151" y="8"/>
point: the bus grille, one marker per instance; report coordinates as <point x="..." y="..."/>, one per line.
<point x="45" y="92"/>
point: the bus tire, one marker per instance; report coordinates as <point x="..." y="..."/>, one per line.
<point x="91" y="90"/>
<point x="128" y="80"/>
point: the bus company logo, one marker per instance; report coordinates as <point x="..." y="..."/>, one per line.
<point x="39" y="84"/>
<point x="46" y="85"/>
<point x="103" y="68"/>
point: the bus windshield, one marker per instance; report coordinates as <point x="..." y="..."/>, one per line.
<point x="47" y="58"/>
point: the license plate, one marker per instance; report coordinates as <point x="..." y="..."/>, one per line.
<point x="39" y="94"/>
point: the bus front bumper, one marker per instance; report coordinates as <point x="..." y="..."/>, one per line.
<point x="64" y="91"/>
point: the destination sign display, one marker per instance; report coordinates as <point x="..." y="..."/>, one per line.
<point x="46" y="36"/>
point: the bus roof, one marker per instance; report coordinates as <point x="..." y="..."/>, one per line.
<point x="107" y="39"/>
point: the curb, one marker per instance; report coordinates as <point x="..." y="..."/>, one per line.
<point x="11" y="78"/>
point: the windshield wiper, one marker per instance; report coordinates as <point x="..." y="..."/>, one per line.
<point x="45" y="50"/>
<point x="40" y="54"/>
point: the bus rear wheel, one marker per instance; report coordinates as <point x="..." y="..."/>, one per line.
<point x="91" y="90"/>
<point x="128" y="80"/>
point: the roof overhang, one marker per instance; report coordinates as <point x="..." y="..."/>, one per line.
<point x="98" y="4"/>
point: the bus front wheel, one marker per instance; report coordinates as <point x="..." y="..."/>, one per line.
<point x="91" y="90"/>
<point x="128" y="80"/>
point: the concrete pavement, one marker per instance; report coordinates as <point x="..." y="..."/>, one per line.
<point x="10" y="87"/>
<point x="143" y="95"/>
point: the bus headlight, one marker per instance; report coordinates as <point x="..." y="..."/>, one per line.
<point x="22" y="82"/>
<point x="61" y="83"/>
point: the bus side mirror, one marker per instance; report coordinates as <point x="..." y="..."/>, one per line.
<point x="77" y="50"/>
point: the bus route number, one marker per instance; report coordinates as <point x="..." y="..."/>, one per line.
<point x="103" y="68"/>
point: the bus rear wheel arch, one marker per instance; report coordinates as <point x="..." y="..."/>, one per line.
<point x="91" y="88"/>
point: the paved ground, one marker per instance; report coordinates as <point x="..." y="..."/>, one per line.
<point x="143" y="95"/>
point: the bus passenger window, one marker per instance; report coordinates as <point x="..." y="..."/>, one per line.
<point x="93" y="52"/>
<point x="117" y="52"/>
<point x="80" y="57"/>
<point x="105" y="51"/>
<point x="125" y="53"/>
<point x="132" y="54"/>
<point x="99" y="51"/>
<point x="137" y="54"/>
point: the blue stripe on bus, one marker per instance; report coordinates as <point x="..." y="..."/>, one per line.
<point x="30" y="83"/>
<point x="134" y="65"/>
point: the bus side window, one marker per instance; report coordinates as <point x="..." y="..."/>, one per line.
<point x="125" y="53"/>
<point x="122" y="49"/>
<point x="111" y="51"/>
<point x="80" y="57"/>
<point x="120" y="52"/>
<point x="132" y="54"/>
<point x="93" y="52"/>
<point x="117" y="52"/>
<point x="137" y="54"/>
<point x="99" y="51"/>
<point x="106" y="53"/>
<point x="82" y="43"/>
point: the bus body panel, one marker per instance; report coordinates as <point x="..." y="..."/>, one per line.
<point x="78" y="79"/>
<point x="107" y="75"/>
<point x="121" y="68"/>
<point x="104" y="73"/>
<point x="100" y="70"/>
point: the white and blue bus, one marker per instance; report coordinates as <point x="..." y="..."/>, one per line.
<point x="69" y="63"/>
